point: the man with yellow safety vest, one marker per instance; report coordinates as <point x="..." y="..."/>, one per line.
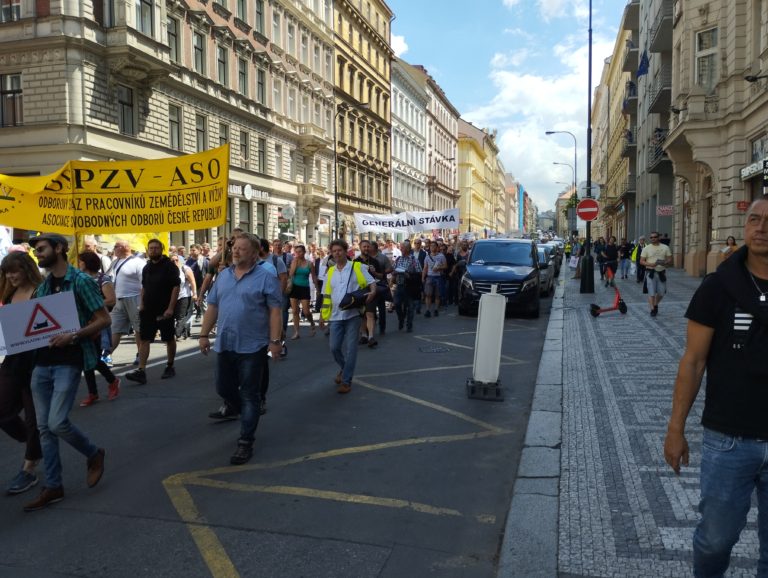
<point x="343" y="278"/>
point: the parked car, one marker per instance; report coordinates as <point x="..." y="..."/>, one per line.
<point x="557" y="255"/>
<point x="512" y="264"/>
<point x="546" y="270"/>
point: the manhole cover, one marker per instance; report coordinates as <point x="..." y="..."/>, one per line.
<point x="434" y="349"/>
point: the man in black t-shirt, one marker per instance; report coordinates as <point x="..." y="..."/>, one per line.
<point x="160" y="284"/>
<point x="727" y="337"/>
<point x="610" y="255"/>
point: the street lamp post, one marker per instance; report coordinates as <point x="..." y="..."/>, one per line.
<point x="575" y="151"/>
<point x="343" y="107"/>
<point x="588" y="269"/>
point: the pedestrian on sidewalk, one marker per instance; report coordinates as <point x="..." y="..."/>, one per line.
<point x="625" y="252"/>
<point x="20" y="277"/>
<point x="246" y="303"/>
<point x="58" y="367"/>
<point x="636" y="253"/>
<point x="656" y="258"/>
<point x="160" y="284"/>
<point x="728" y="337"/>
<point x="610" y="255"/>
<point x="342" y="278"/>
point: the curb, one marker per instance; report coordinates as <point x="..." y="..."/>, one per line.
<point x="530" y="540"/>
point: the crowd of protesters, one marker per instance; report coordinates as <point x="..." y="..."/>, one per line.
<point x="243" y="294"/>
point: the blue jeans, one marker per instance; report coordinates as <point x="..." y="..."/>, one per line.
<point x="344" y="336"/>
<point x="731" y="469"/>
<point x="54" y="388"/>
<point x="624" y="264"/>
<point x="239" y="378"/>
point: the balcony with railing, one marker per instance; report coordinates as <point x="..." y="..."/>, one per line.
<point x="660" y="90"/>
<point x="629" y="145"/>
<point x="629" y="104"/>
<point x="631" y="57"/>
<point x="628" y="187"/>
<point x="312" y="139"/>
<point x="632" y="15"/>
<point x="661" y="29"/>
<point x="658" y="160"/>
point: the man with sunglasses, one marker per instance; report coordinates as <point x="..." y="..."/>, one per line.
<point x="656" y="258"/>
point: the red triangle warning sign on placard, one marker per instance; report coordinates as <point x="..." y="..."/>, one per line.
<point x="41" y="322"/>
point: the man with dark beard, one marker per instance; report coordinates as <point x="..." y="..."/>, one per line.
<point x="58" y="367"/>
<point x="160" y="284"/>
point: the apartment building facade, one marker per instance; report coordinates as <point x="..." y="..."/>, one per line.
<point x="717" y="123"/>
<point x="478" y="174"/>
<point x="363" y="121"/>
<point x="409" y="150"/>
<point x="149" y="79"/>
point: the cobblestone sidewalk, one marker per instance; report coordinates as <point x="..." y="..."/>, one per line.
<point x="623" y="512"/>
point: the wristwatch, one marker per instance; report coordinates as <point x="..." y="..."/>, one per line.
<point x="275" y="341"/>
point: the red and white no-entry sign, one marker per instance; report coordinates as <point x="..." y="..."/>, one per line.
<point x="587" y="209"/>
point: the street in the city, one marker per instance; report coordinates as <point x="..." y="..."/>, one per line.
<point x="594" y="496"/>
<point x="405" y="476"/>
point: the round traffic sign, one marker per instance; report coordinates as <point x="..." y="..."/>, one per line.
<point x="587" y="209"/>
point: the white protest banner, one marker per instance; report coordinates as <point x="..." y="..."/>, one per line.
<point x="407" y="222"/>
<point x="31" y="324"/>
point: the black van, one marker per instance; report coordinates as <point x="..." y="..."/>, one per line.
<point x="512" y="264"/>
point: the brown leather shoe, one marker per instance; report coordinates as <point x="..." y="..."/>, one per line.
<point x="344" y="388"/>
<point x="338" y="379"/>
<point x="47" y="497"/>
<point x="95" y="468"/>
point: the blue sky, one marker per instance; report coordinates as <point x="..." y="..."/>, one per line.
<point x="517" y="66"/>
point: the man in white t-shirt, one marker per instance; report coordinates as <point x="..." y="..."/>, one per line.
<point x="656" y="257"/>
<point x="126" y="271"/>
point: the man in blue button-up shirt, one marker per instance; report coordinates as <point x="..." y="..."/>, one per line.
<point x="246" y="303"/>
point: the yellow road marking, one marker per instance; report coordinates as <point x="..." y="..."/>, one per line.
<point x="211" y="549"/>
<point x="325" y="495"/>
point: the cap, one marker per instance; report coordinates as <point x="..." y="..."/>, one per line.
<point x="53" y="238"/>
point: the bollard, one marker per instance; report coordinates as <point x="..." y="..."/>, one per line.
<point x="485" y="383"/>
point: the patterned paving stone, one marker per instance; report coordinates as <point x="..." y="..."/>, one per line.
<point x="623" y="512"/>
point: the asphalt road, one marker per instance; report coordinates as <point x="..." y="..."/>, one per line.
<point x="405" y="476"/>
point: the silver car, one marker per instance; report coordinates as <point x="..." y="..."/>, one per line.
<point x="546" y="271"/>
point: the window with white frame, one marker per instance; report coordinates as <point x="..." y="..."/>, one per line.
<point x="242" y="10"/>
<point x="125" y="110"/>
<point x="706" y="59"/>
<point x="305" y="108"/>
<point x="261" y="84"/>
<point x="10" y="10"/>
<point x="173" y="39"/>
<point x="259" y="21"/>
<point x="277" y="95"/>
<point x="201" y="133"/>
<point x="305" y="49"/>
<point x="242" y="76"/>
<point x="292" y="103"/>
<point x="145" y="13"/>
<point x="223" y="133"/>
<point x="174" y="127"/>
<point x="279" y="161"/>
<point x="198" y="50"/>
<point x="290" y="38"/>
<point x="11" y="102"/>
<point x="222" y="64"/>
<point x="316" y="59"/>
<point x="245" y="148"/>
<point x="276" y="23"/>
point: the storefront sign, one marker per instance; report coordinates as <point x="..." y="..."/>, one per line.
<point x="665" y="210"/>
<point x="743" y="205"/>
<point x="172" y="194"/>
<point x="752" y="170"/>
<point x="248" y="191"/>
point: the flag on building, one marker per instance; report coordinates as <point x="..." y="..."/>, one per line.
<point x="643" y="67"/>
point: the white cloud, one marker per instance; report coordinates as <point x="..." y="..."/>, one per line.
<point x="512" y="59"/>
<point x="510" y="3"/>
<point x="399" y="46"/>
<point x="551" y="9"/>
<point x="528" y="104"/>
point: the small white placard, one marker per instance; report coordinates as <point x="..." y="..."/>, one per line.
<point x="31" y="324"/>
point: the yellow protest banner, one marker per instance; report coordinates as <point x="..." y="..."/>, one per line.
<point x="173" y="194"/>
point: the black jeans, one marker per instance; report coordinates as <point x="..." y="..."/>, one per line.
<point x="90" y="376"/>
<point x="15" y="395"/>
